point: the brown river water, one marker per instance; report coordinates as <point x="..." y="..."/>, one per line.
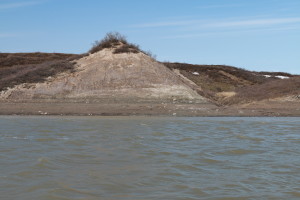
<point x="141" y="158"/>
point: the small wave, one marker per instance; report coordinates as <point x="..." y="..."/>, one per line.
<point x="158" y="134"/>
<point x="51" y="139"/>
<point x="211" y="161"/>
<point x="166" y="153"/>
<point x="45" y="163"/>
<point x="46" y="139"/>
<point x="223" y="128"/>
<point x="186" y="167"/>
<point x="235" y="198"/>
<point x="197" y="192"/>
<point x="239" y="152"/>
<point x="42" y="162"/>
<point x="185" y="139"/>
<point x="25" y="174"/>
<point x="78" y="142"/>
<point x="69" y="193"/>
<point x="16" y="137"/>
<point x="181" y="187"/>
<point x="244" y="137"/>
<point x="170" y="174"/>
<point x="295" y="194"/>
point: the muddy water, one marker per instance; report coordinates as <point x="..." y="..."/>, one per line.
<point x="149" y="158"/>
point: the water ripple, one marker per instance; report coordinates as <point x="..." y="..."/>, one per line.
<point x="149" y="158"/>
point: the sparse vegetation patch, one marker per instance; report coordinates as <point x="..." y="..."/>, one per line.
<point x="18" y="74"/>
<point x="111" y="40"/>
<point x="127" y="48"/>
<point x="216" y="80"/>
<point x="11" y="59"/>
<point x="119" y="43"/>
<point x="268" y="90"/>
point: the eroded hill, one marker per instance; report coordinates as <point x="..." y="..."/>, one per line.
<point x="118" y="70"/>
<point x="117" y="73"/>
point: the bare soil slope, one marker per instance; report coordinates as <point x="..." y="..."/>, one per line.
<point x="104" y="75"/>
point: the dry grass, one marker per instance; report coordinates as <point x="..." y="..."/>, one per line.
<point x="269" y="90"/>
<point x="216" y="80"/>
<point x="18" y="74"/>
<point x="216" y="73"/>
<point x="18" y="68"/>
<point x="276" y="74"/>
<point x="11" y="59"/>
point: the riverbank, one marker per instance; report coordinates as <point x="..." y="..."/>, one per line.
<point x="148" y="109"/>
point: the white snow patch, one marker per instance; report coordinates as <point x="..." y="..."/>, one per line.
<point x="195" y="73"/>
<point x="267" y="76"/>
<point x="282" y="77"/>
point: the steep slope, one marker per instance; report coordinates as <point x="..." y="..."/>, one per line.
<point x="104" y="75"/>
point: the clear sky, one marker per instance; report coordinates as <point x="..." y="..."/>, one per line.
<point x="262" y="35"/>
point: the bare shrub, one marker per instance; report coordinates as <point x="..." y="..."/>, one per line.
<point x="127" y="48"/>
<point x="119" y="43"/>
<point x="111" y="39"/>
<point x="149" y="53"/>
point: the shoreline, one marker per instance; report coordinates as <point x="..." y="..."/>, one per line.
<point x="147" y="109"/>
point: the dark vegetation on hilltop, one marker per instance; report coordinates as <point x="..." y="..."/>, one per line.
<point x="119" y="43"/>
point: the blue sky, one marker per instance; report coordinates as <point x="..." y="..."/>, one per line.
<point x="261" y="35"/>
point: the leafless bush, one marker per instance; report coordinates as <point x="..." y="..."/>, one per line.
<point x="119" y="43"/>
<point x="149" y="53"/>
<point x="111" y="39"/>
<point x="127" y="48"/>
